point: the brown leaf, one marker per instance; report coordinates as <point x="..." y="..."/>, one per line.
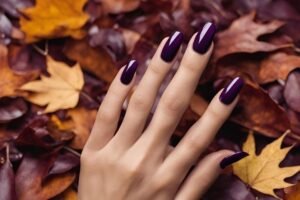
<point x="94" y="60"/>
<point x="277" y="66"/>
<point x="11" y="81"/>
<point x="57" y="184"/>
<point x="119" y="6"/>
<point x="242" y="35"/>
<point x="11" y="108"/>
<point x="30" y="174"/>
<point x="7" y="176"/>
<point x="81" y="123"/>
<point x="257" y="111"/>
<point x="292" y="90"/>
<point x="294" y="193"/>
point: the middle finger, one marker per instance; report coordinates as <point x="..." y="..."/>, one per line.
<point x="172" y="103"/>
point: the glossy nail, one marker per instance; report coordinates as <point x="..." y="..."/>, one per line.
<point x="172" y="46"/>
<point x="129" y="72"/>
<point x="230" y="92"/>
<point x="204" y="38"/>
<point x="232" y="159"/>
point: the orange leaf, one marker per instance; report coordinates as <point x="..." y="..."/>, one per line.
<point x="54" y="18"/>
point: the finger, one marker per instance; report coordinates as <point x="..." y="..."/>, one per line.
<point x="179" y="92"/>
<point x="109" y="112"/>
<point x="141" y="102"/>
<point x="205" y="173"/>
<point x="200" y="135"/>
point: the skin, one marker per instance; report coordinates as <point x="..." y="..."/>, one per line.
<point x="137" y="163"/>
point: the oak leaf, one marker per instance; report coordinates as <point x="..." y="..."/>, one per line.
<point x="54" y="18"/>
<point x="59" y="91"/>
<point x="262" y="172"/>
<point x="241" y="37"/>
<point x="277" y="66"/>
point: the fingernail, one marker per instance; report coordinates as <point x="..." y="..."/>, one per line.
<point x="232" y="159"/>
<point x="204" y="38"/>
<point x="128" y="72"/>
<point x="230" y="92"/>
<point x="172" y="46"/>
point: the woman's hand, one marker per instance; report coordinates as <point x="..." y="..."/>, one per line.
<point x="139" y="164"/>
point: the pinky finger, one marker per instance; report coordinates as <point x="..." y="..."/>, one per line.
<point x="205" y="173"/>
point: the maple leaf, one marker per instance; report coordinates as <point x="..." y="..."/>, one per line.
<point x="60" y="91"/>
<point x="54" y="18"/>
<point x="262" y="172"/>
<point x="241" y="37"/>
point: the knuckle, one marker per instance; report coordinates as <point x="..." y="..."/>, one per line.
<point x="193" y="145"/>
<point x="172" y="103"/>
<point x="106" y="116"/>
<point x="156" y="70"/>
<point x="191" y="67"/>
<point x="213" y="113"/>
<point x="162" y="182"/>
<point x="132" y="170"/>
<point x="138" y="102"/>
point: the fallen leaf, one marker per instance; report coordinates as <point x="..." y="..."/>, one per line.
<point x="69" y="194"/>
<point x="277" y="66"/>
<point x="81" y="123"/>
<point x="59" y="91"/>
<point x="257" y="111"/>
<point x="53" y="19"/>
<point x="241" y="37"/>
<point x="12" y="108"/>
<point x="10" y="81"/>
<point x="262" y="172"/>
<point x="7" y="176"/>
<point x="119" y="6"/>
<point x="95" y="60"/>
<point x="30" y="183"/>
<point x="229" y="187"/>
<point x="57" y="184"/>
<point x="291" y="90"/>
<point x="294" y="194"/>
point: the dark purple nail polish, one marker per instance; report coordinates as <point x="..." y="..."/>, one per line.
<point x="128" y="72"/>
<point x="232" y="159"/>
<point x="230" y="92"/>
<point x="172" y="46"/>
<point x="204" y="38"/>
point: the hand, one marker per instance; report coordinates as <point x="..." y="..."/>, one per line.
<point x="139" y="164"/>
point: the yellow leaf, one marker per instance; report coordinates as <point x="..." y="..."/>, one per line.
<point x="59" y="91"/>
<point x="262" y="172"/>
<point x="54" y="18"/>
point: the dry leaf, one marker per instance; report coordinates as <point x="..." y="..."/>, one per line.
<point x="11" y="81"/>
<point x="262" y="172"/>
<point x="92" y="59"/>
<point x="118" y="6"/>
<point x="241" y="37"/>
<point x="277" y="66"/>
<point x="294" y="194"/>
<point x="54" y="18"/>
<point x="81" y="123"/>
<point x="59" y="91"/>
<point x="69" y="194"/>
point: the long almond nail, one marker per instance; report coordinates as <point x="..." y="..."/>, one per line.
<point x="232" y="159"/>
<point x="129" y="72"/>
